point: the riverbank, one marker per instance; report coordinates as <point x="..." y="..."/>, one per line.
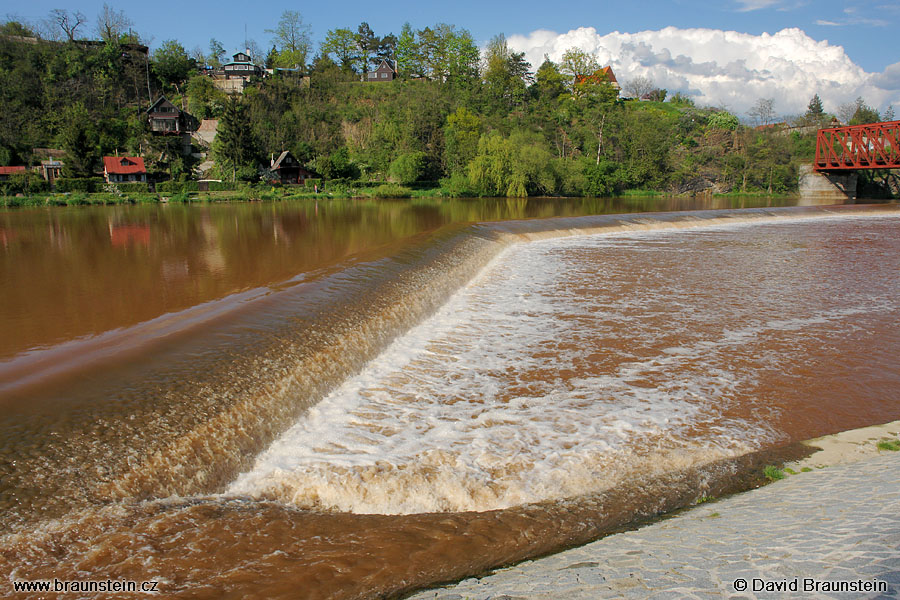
<point x="832" y="523"/>
<point x="284" y="194"/>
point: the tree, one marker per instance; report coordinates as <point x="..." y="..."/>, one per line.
<point x="409" y="60"/>
<point x="340" y="45"/>
<point x="408" y="168"/>
<point x="16" y="28"/>
<point x="68" y="23"/>
<point x="505" y="72"/>
<point x="78" y="137"/>
<point x="171" y="64"/>
<point x="549" y="81"/>
<point x="366" y="45"/>
<point x="680" y="99"/>
<point x="216" y="53"/>
<point x="111" y="24"/>
<point x="865" y="114"/>
<point x="888" y="113"/>
<point x="461" y="134"/>
<point x="638" y="87"/>
<point x="234" y="148"/>
<point x="763" y="111"/>
<point x="814" y="110"/>
<point x="293" y="39"/>
<point x="578" y="64"/>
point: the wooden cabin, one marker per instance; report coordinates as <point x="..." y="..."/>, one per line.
<point x="384" y="72"/>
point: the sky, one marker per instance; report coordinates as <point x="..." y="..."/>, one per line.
<point x="727" y="53"/>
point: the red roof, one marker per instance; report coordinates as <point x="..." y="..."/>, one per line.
<point x="11" y="170"/>
<point x="124" y="165"/>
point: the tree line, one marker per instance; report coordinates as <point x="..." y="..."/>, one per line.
<point x="475" y="122"/>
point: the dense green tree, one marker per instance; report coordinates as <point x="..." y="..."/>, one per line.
<point x="409" y="167"/>
<point x="506" y="73"/>
<point x="171" y="64"/>
<point x="409" y="61"/>
<point x="366" y="45"/>
<point x="340" y="45"/>
<point x="578" y="64"/>
<point x="78" y="137"/>
<point x="550" y="82"/>
<point x="17" y="28"/>
<point x="461" y="135"/>
<point x="864" y="114"/>
<point x="814" y="110"/>
<point x="235" y="148"/>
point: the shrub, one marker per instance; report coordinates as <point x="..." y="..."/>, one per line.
<point x="85" y="185"/>
<point x="408" y="168"/>
<point x="391" y="190"/>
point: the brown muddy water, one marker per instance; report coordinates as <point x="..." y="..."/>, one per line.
<point x="361" y="404"/>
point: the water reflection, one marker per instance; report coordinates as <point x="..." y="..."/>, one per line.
<point x="74" y="272"/>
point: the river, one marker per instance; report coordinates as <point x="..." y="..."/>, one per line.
<point x="357" y="399"/>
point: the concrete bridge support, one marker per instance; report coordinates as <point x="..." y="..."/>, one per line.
<point x="826" y="188"/>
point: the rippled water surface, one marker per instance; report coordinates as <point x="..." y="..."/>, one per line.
<point x="468" y="397"/>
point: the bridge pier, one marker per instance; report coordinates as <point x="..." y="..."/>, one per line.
<point x="826" y="188"/>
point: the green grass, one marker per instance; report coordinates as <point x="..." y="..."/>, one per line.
<point x="773" y="473"/>
<point x="889" y="445"/>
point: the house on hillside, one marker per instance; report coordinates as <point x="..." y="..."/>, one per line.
<point x="124" y="169"/>
<point x="166" y="118"/>
<point x="287" y="169"/>
<point x="384" y="72"/>
<point x="5" y="172"/>
<point x="242" y="67"/>
<point x="604" y="75"/>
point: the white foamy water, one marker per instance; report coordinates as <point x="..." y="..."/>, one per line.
<point x="566" y="365"/>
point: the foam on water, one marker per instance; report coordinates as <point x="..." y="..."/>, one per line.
<point x="520" y="389"/>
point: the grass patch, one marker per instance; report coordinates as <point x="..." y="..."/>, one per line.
<point x="790" y="471"/>
<point x="704" y="498"/>
<point x="773" y="473"/>
<point x="806" y="470"/>
<point x="889" y="445"/>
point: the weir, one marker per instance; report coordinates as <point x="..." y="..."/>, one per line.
<point x="497" y="391"/>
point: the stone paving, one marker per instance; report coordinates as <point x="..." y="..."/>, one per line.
<point x="837" y="524"/>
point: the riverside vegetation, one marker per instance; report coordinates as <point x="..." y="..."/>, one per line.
<point x="458" y="122"/>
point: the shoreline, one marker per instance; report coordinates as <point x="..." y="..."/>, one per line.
<point x="706" y="549"/>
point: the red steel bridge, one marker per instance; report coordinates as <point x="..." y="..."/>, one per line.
<point x="870" y="146"/>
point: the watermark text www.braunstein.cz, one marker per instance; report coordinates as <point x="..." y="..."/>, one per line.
<point x="810" y="585"/>
<point x="91" y="586"/>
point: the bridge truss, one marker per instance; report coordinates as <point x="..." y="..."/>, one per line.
<point x="870" y="146"/>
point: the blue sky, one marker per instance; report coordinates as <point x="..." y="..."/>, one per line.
<point x="865" y="30"/>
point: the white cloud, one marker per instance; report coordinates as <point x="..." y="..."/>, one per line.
<point x="748" y="5"/>
<point x="726" y="68"/>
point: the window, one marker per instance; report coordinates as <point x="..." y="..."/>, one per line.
<point x="373" y="75"/>
<point x="384" y="75"/>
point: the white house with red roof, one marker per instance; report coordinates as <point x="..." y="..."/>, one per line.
<point x="124" y="169"/>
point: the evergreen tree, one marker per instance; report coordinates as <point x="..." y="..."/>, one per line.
<point x="814" y="110"/>
<point x="234" y="148"/>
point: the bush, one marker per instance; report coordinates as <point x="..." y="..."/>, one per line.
<point x="458" y="185"/>
<point x="132" y="187"/>
<point x="408" y="168"/>
<point x="723" y="120"/>
<point x="25" y="182"/>
<point x="85" y="185"/>
<point x="391" y="190"/>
